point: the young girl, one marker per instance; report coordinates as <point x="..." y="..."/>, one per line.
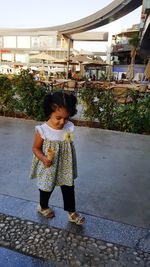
<point x="54" y="160"/>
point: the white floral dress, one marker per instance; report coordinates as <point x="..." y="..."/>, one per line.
<point x="63" y="170"/>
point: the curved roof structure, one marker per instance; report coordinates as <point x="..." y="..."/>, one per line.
<point x="115" y="10"/>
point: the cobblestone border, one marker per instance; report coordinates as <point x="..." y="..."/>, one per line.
<point x="65" y="248"/>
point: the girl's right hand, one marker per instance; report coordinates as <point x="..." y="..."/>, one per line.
<point x="46" y="162"/>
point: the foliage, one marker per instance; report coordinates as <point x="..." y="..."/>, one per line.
<point x="144" y="114"/>
<point x="25" y="94"/>
<point x="135" y="41"/>
<point x="7" y="100"/>
<point x="22" y="93"/>
<point x="103" y="76"/>
<point x="134" y="117"/>
<point x="101" y="105"/>
<point x="30" y="94"/>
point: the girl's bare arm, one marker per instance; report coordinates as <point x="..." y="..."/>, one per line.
<point x="37" y="149"/>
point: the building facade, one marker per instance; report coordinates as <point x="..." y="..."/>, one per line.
<point x="18" y="46"/>
<point x="121" y="54"/>
<point x="145" y="29"/>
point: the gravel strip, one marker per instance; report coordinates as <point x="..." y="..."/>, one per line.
<point x="65" y="248"/>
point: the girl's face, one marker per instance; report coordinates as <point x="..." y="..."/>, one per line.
<point x="58" y="118"/>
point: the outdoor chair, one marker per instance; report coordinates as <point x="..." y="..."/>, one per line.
<point x="71" y="86"/>
<point x="122" y="95"/>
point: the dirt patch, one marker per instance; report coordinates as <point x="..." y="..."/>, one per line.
<point x="90" y="124"/>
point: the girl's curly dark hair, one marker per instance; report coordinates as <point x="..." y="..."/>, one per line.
<point x="60" y="99"/>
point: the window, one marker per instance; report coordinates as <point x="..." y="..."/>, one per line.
<point x="23" y="41"/>
<point x="35" y="42"/>
<point x="48" y="42"/>
<point x="23" y="58"/>
<point x="9" y="41"/>
<point x="7" y="57"/>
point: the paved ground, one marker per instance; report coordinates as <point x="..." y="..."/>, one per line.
<point x="113" y="184"/>
<point x="58" y="243"/>
<point x="113" y="167"/>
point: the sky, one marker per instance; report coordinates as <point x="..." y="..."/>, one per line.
<point x="46" y="13"/>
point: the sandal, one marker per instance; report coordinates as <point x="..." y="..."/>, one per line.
<point x="48" y="213"/>
<point x="76" y="218"/>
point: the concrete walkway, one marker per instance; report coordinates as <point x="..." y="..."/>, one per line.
<point x="114" y="172"/>
<point x="113" y="167"/>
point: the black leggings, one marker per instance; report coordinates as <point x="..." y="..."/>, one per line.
<point x="68" y="198"/>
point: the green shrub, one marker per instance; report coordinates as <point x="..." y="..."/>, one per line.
<point x="7" y="93"/>
<point x="101" y="105"/>
<point x="30" y="95"/>
<point x="134" y="117"/>
<point x="22" y="93"/>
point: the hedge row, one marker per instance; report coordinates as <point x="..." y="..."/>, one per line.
<point x="22" y="95"/>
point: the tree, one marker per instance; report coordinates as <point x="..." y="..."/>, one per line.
<point x="134" y="42"/>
